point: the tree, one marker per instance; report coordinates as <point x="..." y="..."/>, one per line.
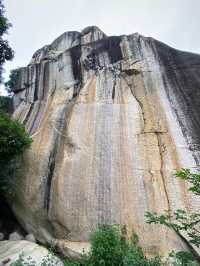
<point x="13" y="77"/>
<point x="13" y="141"/>
<point x="6" y="52"/>
<point x="180" y="221"/>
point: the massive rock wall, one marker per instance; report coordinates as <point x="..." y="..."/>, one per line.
<point x="111" y="119"/>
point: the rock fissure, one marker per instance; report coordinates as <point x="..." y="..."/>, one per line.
<point x="53" y="157"/>
<point x="29" y="113"/>
<point x="139" y="104"/>
<point x="51" y="167"/>
<point x="113" y="90"/>
<point x="160" y="148"/>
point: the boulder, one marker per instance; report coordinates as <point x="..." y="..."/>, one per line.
<point x="11" y="251"/>
<point x="15" y="236"/>
<point x="2" y="236"/>
<point x="30" y="237"/>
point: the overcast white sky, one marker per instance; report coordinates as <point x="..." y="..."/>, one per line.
<point x="39" y="22"/>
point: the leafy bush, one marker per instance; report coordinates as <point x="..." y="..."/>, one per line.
<point x="109" y="247"/>
<point x="13" y="138"/>
<point x="135" y="256"/>
<point x="13" y="141"/>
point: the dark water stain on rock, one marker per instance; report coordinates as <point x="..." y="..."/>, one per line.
<point x="181" y="75"/>
<point x="75" y="53"/>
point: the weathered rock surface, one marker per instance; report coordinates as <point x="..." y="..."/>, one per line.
<point x="30" y="237"/>
<point x="15" y="236"/>
<point x="11" y="250"/>
<point x="111" y="119"/>
<point x="2" y="236"/>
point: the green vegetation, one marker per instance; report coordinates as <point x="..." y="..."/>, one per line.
<point x="6" y="53"/>
<point x="48" y="260"/>
<point x="13" y="141"/>
<point x="109" y="247"/>
<point x="13" y="77"/>
<point x="182" y="258"/>
<point x="135" y="257"/>
<point x="22" y="261"/>
<point x="68" y="262"/>
<point x="6" y="104"/>
<point x="182" y="222"/>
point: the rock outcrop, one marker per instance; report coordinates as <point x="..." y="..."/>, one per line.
<point x="111" y="119"/>
<point x="30" y="253"/>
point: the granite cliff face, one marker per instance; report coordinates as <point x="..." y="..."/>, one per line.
<point x="111" y="119"/>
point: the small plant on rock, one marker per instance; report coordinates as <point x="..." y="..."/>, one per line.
<point x="182" y="222"/>
<point x="22" y="261"/>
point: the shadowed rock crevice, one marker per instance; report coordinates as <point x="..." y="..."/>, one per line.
<point x="51" y="167"/>
<point x="8" y="221"/>
<point x="162" y="162"/>
<point x="76" y="65"/>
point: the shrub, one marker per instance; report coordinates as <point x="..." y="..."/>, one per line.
<point x="13" y="141"/>
<point x="135" y="256"/>
<point x="13" y="138"/>
<point x="109" y="247"/>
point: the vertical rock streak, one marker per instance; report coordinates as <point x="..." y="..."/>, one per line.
<point x="51" y="167"/>
<point x="101" y="110"/>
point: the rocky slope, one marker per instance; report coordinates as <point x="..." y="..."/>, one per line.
<point x="111" y="119"/>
